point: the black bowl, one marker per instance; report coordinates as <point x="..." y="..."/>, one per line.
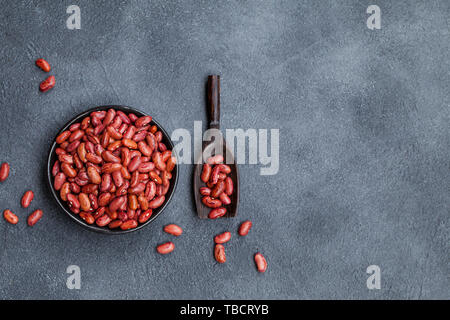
<point x="52" y="157"/>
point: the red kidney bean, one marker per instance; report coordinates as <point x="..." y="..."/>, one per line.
<point x="74" y="127"/>
<point x="47" y="84"/>
<point x="99" y="129"/>
<point x="123" y="189"/>
<point x="106" y="182"/>
<point x="34" y="217"/>
<point x="85" y="123"/>
<point x="117" y="203"/>
<point x="122" y="216"/>
<point x="245" y="228"/>
<point x="132" y="202"/>
<point x="129" y="224"/>
<point x="173" y="229"/>
<point x="73" y="201"/>
<point x="225" y="199"/>
<point x="217" y="213"/>
<point x="10" y="216"/>
<point x="85" y="202"/>
<point x="98" y="149"/>
<point x="90" y="147"/>
<point x="144" y="148"/>
<point x="158" y="136"/>
<point x="103" y="220"/>
<point x="64" y="191"/>
<point x="165" y="248"/>
<point x="111" y="167"/>
<point x="204" y="191"/>
<point x="217" y="159"/>
<point x="92" y="157"/>
<point x="104" y="199"/>
<point x="90" y="188"/>
<point x="134" y="163"/>
<point x="144" y="216"/>
<point x="124" y="117"/>
<point x="215" y="174"/>
<point x="112" y="214"/>
<point x="229" y="186"/>
<point x="223" y="237"/>
<point x="134" y="179"/>
<point x="94" y="201"/>
<point x="73" y="146"/>
<point x="131" y="144"/>
<point x="27" y="198"/>
<point x="142" y="121"/>
<point x="63" y="137"/>
<point x="157" y="159"/>
<point x="224" y="168"/>
<point x="138" y="189"/>
<point x="113" y="133"/>
<point x="143" y="202"/>
<point x="117" y="178"/>
<point x="125" y="174"/>
<point x="129" y="133"/>
<point x="67" y="158"/>
<point x="261" y="263"/>
<point x="114" y="145"/>
<point x="115" y="224"/>
<point x="138" y="137"/>
<point x="60" y="151"/>
<point x="108" y="156"/>
<point x="93" y="175"/>
<point x="75" y="188"/>
<point x="55" y="169"/>
<point x="222" y="176"/>
<point x="218" y="189"/>
<point x="76" y="135"/>
<point x="157" y="202"/>
<point x="60" y="178"/>
<point x="116" y="123"/>
<point x="170" y="164"/>
<point x="68" y="170"/>
<point x="155" y="177"/>
<point x="43" y="64"/>
<point x="87" y="217"/>
<point x="219" y="253"/>
<point x="109" y="117"/>
<point x="78" y="163"/>
<point x="150" y="190"/>
<point x="166" y="155"/>
<point x="211" y="203"/>
<point x="206" y="173"/>
<point x="146" y="167"/>
<point x="4" y="171"/>
<point x="162" y="147"/>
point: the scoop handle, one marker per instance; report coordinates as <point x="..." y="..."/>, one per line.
<point x="213" y="96"/>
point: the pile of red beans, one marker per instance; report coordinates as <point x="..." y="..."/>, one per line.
<point x="219" y="186"/>
<point x="113" y="169"/>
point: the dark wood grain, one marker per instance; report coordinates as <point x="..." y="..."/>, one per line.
<point x="213" y="105"/>
<point x="213" y="96"/>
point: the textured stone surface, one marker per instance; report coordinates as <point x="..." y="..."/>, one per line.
<point x="364" y="124"/>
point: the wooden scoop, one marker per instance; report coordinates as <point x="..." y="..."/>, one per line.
<point x="213" y="104"/>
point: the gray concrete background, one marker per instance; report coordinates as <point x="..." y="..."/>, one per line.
<point x="363" y="118"/>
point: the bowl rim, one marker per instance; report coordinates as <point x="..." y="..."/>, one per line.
<point x="75" y="217"/>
